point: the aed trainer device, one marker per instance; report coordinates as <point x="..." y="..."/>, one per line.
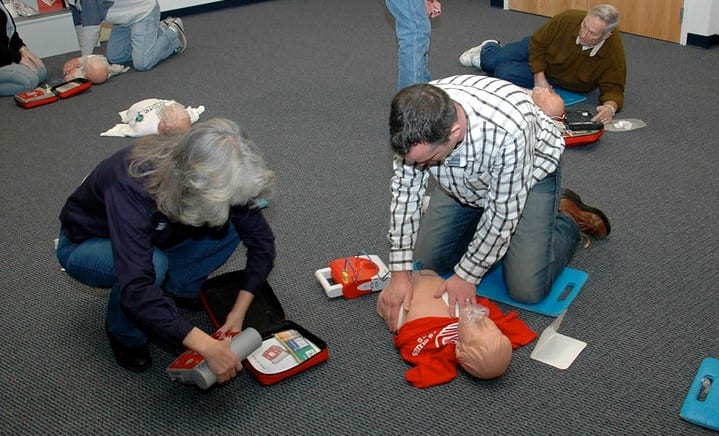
<point x="353" y="276"/>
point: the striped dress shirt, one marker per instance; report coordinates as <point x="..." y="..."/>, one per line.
<point x="509" y="145"/>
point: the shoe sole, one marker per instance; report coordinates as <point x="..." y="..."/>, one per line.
<point x="183" y="44"/>
<point x="131" y="368"/>
<point x="479" y="49"/>
<point x="580" y="204"/>
<point x="179" y="25"/>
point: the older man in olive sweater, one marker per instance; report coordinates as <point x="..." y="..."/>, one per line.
<point x="575" y="50"/>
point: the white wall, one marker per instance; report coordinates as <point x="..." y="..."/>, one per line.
<point x="701" y="17"/>
<point x="48" y="34"/>
<point x="169" y="5"/>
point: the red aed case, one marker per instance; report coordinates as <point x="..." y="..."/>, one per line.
<point x="287" y="348"/>
<point x="575" y="139"/>
<point x="42" y="96"/>
<point x="580" y="129"/>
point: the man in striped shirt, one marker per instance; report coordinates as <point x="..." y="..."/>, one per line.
<point x="493" y="156"/>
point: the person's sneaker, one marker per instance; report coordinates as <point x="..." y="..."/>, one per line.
<point x="470" y="58"/>
<point x="590" y="220"/>
<point x="175" y="24"/>
<point x="168" y="21"/>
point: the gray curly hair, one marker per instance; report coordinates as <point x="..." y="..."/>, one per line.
<point x="195" y="178"/>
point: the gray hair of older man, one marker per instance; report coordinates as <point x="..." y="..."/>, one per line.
<point x="607" y="13"/>
<point x="195" y="178"/>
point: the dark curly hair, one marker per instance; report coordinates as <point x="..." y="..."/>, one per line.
<point x="420" y="113"/>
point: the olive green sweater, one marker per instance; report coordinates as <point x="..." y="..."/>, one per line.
<point x="553" y="49"/>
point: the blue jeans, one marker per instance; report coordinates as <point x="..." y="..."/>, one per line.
<point x="181" y="269"/>
<point x="413" y="30"/>
<point x="540" y="248"/>
<point x="146" y="42"/>
<point x="15" y="78"/>
<point x="509" y="62"/>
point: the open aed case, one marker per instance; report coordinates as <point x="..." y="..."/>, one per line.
<point x="580" y="129"/>
<point x="287" y="348"/>
<point x="45" y="95"/>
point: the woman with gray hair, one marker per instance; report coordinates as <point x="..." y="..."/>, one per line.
<point x="153" y="220"/>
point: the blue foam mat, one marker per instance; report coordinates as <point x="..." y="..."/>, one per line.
<point x="701" y="406"/>
<point x="570" y="97"/>
<point x="564" y="290"/>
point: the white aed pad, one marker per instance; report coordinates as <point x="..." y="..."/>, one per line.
<point x="556" y="349"/>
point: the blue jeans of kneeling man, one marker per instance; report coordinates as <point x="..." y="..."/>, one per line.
<point x="146" y="42"/>
<point x="540" y="248"/>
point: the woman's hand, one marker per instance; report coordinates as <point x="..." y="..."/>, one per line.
<point x="216" y="352"/>
<point x="236" y="317"/>
<point x="29" y="59"/>
<point x="221" y="360"/>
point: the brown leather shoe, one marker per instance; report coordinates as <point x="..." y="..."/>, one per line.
<point x="590" y="220"/>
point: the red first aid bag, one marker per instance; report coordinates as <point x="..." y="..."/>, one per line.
<point x="287" y="348"/>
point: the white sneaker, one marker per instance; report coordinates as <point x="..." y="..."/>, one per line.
<point x="175" y="24"/>
<point x="470" y="58"/>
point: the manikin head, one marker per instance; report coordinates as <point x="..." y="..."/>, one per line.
<point x="72" y="69"/>
<point x="548" y="101"/>
<point x="482" y="350"/>
<point x="94" y="68"/>
<point x="97" y="69"/>
<point x="174" y="119"/>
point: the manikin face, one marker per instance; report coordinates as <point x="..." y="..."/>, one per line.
<point x="482" y="331"/>
<point x="92" y="67"/>
<point x="482" y="350"/>
<point x="72" y="69"/>
<point x="591" y="31"/>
